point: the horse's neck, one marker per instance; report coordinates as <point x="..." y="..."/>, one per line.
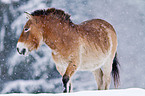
<point x="55" y="32"/>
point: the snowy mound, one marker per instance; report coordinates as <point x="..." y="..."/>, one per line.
<point x="117" y="92"/>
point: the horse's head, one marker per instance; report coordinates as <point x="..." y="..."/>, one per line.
<point x="31" y="36"/>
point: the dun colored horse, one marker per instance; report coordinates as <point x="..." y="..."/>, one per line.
<point x="89" y="46"/>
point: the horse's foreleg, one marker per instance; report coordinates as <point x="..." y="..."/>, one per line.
<point x="70" y="87"/>
<point x="66" y="77"/>
<point x="65" y="80"/>
<point x="67" y="84"/>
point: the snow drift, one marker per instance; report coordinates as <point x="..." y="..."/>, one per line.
<point x="117" y="92"/>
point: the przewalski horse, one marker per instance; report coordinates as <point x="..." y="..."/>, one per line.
<point x="89" y="46"/>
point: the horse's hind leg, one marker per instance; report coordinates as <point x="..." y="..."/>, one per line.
<point x="103" y="76"/>
<point x="107" y="68"/>
<point x="98" y="74"/>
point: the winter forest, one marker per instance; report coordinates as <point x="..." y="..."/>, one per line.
<point x="36" y="73"/>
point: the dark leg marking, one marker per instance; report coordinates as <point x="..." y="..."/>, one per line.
<point x="69" y="87"/>
<point x="65" y="80"/>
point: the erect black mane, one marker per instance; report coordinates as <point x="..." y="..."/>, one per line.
<point x="56" y="12"/>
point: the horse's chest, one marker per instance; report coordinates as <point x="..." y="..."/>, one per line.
<point x="61" y="63"/>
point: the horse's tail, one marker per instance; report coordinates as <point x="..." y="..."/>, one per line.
<point x="115" y="71"/>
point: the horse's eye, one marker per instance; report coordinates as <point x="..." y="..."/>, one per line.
<point x="26" y="29"/>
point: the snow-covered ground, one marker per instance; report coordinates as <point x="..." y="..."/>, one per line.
<point x="117" y="92"/>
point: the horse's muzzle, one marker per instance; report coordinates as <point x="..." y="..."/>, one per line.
<point x="22" y="49"/>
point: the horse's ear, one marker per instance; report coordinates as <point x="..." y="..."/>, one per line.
<point x="29" y="16"/>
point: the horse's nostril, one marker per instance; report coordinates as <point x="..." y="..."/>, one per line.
<point x="18" y="49"/>
<point x="23" y="51"/>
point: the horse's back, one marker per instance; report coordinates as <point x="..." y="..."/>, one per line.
<point x="98" y="42"/>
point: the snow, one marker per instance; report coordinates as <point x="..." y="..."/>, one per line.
<point x="115" y="92"/>
<point x="6" y="1"/>
<point x="2" y="39"/>
<point x="31" y="85"/>
<point x="9" y="1"/>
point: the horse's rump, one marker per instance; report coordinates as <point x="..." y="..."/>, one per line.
<point x="96" y="42"/>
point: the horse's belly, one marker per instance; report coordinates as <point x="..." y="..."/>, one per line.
<point x="90" y="64"/>
<point x="91" y="60"/>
